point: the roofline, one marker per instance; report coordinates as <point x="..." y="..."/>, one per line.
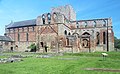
<point x="21" y="26"/>
<point x="7" y="41"/>
<point x="24" y="20"/>
<point x="91" y="19"/>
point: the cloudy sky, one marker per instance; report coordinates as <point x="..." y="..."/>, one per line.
<point x="18" y="10"/>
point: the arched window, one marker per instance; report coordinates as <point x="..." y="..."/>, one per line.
<point x="77" y="26"/>
<point x="98" y="38"/>
<point x="27" y="36"/>
<point x="69" y="33"/>
<point x="55" y="17"/>
<point x="76" y="35"/>
<point x="49" y="18"/>
<point x="43" y="18"/>
<point x="42" y="44"/>
<point x="65" y="32"/>
<point x="85" y="43"/>
<point x="104" y="38"/>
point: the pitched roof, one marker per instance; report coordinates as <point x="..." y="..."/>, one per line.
<point x="21" y="24"/>
<point x="5" y="38"/>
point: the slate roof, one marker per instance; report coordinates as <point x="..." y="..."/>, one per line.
<point x="21" y="24"/>
<point x="6" y="39"/>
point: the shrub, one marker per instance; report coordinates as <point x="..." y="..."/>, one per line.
<point x="32" y="47"/>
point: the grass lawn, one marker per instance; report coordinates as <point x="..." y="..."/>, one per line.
<point x="67" y="64"/>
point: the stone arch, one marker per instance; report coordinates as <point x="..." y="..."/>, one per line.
<point x="86" y="33"/>
<point x="76" y="34"/>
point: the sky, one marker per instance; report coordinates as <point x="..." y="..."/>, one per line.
<point x="19" y="10"/>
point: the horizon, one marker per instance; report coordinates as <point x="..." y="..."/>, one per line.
<point x="23" y="10"/>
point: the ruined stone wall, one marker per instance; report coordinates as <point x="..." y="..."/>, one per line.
<point x="54" y="18"/>
<point x="93" y="27"/>
<point x="6" y="46"/>
<point x="67" y="11"/>
<point x="47" y="36"/>
<point x="27" y="35"/>
<point x="53" y="33"/>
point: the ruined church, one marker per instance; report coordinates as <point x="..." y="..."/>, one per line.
<point x="61" y="32"/>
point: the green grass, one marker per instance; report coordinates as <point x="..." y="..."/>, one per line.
<point x="59" y="65"/>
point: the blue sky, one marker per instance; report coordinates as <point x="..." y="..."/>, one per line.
<point x="18" y="10"/>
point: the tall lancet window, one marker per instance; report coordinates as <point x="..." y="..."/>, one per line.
<point x="27" y="37"/>
<point x="98" y="38"/>
<point x="104" y="38"/>
<point x="43" y="18"/>
<point x="49" y="18"/>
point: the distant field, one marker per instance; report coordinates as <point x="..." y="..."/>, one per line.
<point x="67" y="64"/>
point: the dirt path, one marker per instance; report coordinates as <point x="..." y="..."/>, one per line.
<point x="103" y="69"/>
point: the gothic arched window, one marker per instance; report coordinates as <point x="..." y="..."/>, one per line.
<point x="69" y="33"/>
<point x="43" y="18"/>
<point x="55" y="17"/>
<point x="65" y="32"/>
<point x="85" y="33"/>
<point x="27" y="36"/>
<point x="85" y="43"/>
<point x="98" y="38"/>
<point x="49" y="18"/>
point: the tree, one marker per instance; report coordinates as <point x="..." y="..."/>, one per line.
<point x="116" y="43"/>
<point x="32" y="47"/>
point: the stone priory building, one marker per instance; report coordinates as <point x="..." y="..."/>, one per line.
<point x="61" y="32"/>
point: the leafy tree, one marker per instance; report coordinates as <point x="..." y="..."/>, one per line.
<point x="32" y="47"/>
<point x="117" y="43"/>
